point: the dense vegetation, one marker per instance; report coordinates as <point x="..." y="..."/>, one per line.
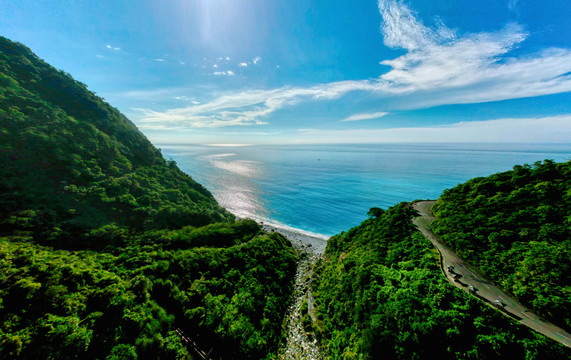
<point x="516" y="227"/>
<point x="71" y="163"/>
<point x="380" y="294"/>
<point x="106" y="248"/>
<point x="127" y="303"/>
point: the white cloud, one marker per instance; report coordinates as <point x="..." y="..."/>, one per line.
<point x="244" y="108"/>
<point x="438" y="57"/>
<point x="154" y="94"/>
<point x="256" y="60"/>
<point x="401" y="29"/>
<point x="186" y="98"/>
<point x="215" y="66"/>
<point x="159" y="60"/>
<point x="513" y="5"/>
<point x="439" y="67"/>
<point x="243" y="64"/>
<point x="254" y="133"/>
<point x="365" y="116"/>
<point x="113" y="48"/>
<point x="227" y="73"/>
<point x="509" y="130"/>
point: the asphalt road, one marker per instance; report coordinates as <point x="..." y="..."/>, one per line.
<point x="472" y="280"/>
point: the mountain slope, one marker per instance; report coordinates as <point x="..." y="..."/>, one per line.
<point x="106" y="249"/>
<point x="515" y="226"/>
<point x="379" y="293"/>
<point x="69" y="159"/>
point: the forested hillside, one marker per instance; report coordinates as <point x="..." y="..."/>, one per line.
<point x="379" y="293"/>
<point x="516" y="227"/>
<point x="106" y="248"/>
<point x="127" y="303"/>
<point x="72" y="163"/>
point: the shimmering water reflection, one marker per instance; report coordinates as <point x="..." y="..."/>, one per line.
<point x="327" y="189"/>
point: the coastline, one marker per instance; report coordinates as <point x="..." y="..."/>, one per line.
<point x="300" y="239"/>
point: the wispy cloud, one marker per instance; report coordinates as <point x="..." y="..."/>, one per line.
<point x="186" y="98"/>
<point x="245" y="108"/>
<point x="509" y="130"/>
<point x="439" y="67"/>
<point x="254" y="133"/>
<point x="243" y="64"/>
<point x="437" y="57"/>
<point x="113" y="48"/>
<point x="227" y="73"/>
<point x="513" y="5"/>
<point x="365" y="116"/>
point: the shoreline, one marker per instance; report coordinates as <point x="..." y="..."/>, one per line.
<point x="299" y="238"/>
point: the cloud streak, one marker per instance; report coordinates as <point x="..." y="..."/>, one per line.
<point x="247" y="107"/>
<point x="226" y="73"/>
<point x="365" y="116"/>
<point x="509" y="130"/>
<point x="439" y="67"/>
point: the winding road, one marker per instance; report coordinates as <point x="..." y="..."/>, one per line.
<point x="463" y="275"/>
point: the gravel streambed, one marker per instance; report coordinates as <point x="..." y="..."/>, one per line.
<point x="301" y="344"/>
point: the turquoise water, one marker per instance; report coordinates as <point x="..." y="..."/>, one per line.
<point x="325" y="189"/>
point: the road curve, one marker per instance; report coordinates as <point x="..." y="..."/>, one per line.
<point x="468" y="276"/>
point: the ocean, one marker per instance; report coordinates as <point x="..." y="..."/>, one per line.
<point x="326" y="189"/>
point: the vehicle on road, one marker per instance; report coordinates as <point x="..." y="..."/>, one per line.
<point x="498" y="303"/>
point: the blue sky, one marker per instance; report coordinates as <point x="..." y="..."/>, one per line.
<point x="264" y="71"/>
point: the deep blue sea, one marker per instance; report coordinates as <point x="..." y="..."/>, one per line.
<point x="325" y="189"/>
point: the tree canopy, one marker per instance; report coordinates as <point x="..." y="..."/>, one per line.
<point x="379" y="293"/>
<point x="71" y="163"/>
<point x="106" y="248"/>
<point x="516" y="227"/>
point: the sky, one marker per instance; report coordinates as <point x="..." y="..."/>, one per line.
<point x="315" y="71"/>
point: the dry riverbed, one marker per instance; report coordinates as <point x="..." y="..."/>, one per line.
<point x="300" y="344"/>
